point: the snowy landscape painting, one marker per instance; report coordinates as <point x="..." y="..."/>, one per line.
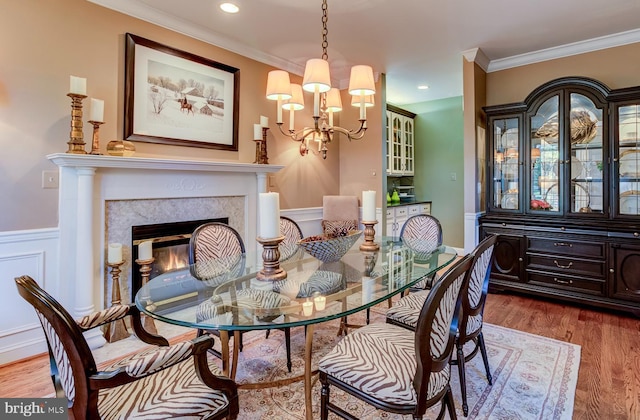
<point x="174" y="97"/>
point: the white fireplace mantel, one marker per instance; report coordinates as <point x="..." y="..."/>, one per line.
<point x="88" y="181"/>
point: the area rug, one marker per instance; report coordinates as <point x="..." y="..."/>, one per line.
<point x="534" y="377"/>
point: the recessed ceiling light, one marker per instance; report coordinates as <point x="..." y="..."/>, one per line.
<point x="423" y="87"/>
<point x="229" y="8"/>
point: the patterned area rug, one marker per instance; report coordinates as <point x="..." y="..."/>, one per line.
<point x="533" y="377"/>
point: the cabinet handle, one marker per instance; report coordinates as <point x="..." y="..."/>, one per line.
<point x="563" y="266"/>
<point x="562" y="244"/>
<point x="557" y="280"/>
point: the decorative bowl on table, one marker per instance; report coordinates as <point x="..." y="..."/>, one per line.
<point x="329" y="249"/>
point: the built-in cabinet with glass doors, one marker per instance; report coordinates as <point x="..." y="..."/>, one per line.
<point x="400" y="142"/>
<point x="563" y="193"/>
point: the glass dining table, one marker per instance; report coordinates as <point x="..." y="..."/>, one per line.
<point x="224" y="295"/>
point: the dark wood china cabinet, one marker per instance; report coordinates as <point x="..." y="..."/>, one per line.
<point x="563" y="192"/>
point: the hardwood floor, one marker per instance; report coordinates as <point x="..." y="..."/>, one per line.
<point x="608" y="379"/>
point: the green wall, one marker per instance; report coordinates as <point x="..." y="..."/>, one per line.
<point x="439" y="138"/>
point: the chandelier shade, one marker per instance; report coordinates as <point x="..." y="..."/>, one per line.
<point x="278" y="85"/>
<point x="326" y="100"/>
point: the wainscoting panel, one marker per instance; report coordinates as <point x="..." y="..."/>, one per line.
<point x="33" y="253"/>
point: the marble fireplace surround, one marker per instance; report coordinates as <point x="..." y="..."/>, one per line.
<point x="101" y="197"/>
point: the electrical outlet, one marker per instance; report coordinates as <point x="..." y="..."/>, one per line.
<point x="454" y="176"/>
<point x="50" y="179"/>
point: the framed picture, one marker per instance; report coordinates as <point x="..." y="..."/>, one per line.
<point x="174" y="97"/>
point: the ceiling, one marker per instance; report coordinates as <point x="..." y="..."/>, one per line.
<point x="413" y="42"/>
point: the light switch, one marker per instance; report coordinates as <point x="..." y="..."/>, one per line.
<point x="50" y="179"/>
<point x="454" y="176"/>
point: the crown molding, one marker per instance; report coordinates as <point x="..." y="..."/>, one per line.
<point x="580" y="47"/>
<point x="476" y="55"/>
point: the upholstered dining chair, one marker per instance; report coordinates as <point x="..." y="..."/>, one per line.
<point x="218" y="250"/>
<point x="406" y="311"/>
<point x="423" y="234"/>
<point x="292" y="234"/>
<point x="340" y="214"/>
<point x="159" y="381"/>
<point x="395" y="369"/>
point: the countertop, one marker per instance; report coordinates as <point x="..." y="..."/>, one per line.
<point x="407" y="203"/>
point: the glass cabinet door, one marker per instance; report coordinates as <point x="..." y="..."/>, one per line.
<point x="585" y="161"/>
<point x="545" y="187"/>
<point x="507" y="163"/>
<point x="628" y="153"/>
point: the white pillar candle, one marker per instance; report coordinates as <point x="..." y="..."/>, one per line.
<point x="363" y="109"/>
<point x="97" y="110"/>
<point x="269" y="214"/>
<point x="316" y="102"/>
<point x="368" y="206"/>
<point x="114" y="254"/>
<point x="77" y="85"/>
<point x="264" y="121"/>
<point x="291" y="119"/>
<point x="257" y="132"/>
<point x="144" y="251"/>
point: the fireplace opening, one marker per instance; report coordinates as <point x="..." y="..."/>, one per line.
<point x="170" y="247"/>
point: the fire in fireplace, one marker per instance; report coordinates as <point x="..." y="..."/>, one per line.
<point x="170" y="246"/>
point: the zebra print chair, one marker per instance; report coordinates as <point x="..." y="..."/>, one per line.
<point x="216" y="254"/>
<point x="158" y="382"/>
<point x="405" y="313"/>
<point x="423" y="234"/>
<point x="292" y="234"/>
<point x="395" y="369"/>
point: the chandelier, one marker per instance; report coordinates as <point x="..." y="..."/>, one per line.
<point x="326" y="100"/>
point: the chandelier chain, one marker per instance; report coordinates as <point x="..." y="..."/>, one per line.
<point x="325" y="31"/>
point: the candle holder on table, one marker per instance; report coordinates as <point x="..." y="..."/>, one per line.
<point x="145" y="270"/>
<point x="369" y="234"/>
<point x="116" y="330"/>
<point x="95" y="144"/>
<point x="271" y="270"/>
<point x="76" y="142"/>
<point x="261" y="148"/>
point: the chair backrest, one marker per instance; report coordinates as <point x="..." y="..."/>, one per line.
<point x="219" y="251"/>
<point x="473" y="301"/>
<point x="292" y="234"/>
<point x="340" y="214"/>
<point x="70" y="356"/>
<point x="422" y="233"/>
<point x="436" y="329"/>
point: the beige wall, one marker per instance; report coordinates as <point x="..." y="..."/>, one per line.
<point x="617" y="67"/>
<point x="46" y="41"/>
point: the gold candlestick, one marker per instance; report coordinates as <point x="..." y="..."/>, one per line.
<point x="271" y="270"/>
<point x="116" y="330"/>
<point x="95" y="144"/>
<point x="145" y="270"/>
<point x="261" y="148"/>
<point x="369" y="234"/>
<point x="76" y="142"/>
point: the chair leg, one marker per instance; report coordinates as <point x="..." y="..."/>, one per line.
<point x="324" y="400"/>
<point x="485" y="359"/>
<point x="240" y="342"/>
<point x="463" y="379"/>
<point x="368" y="315"/>
<point x="266" y="335"/>
<point x="287" y="343"/>
<point x="451" y="405"/>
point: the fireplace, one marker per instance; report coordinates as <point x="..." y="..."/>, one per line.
<point x="170" y="246"/>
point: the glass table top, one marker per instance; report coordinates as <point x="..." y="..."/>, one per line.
<point x="224" y="294"/>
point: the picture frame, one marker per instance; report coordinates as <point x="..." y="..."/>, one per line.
<point x="178" y="98"/>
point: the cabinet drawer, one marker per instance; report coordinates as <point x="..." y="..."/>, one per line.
<point x="566" y="265"/>
<point x="566" y="247"/>
<point x="425" y="208"/>
<point x="414" y="210"/>
<point x="594" y="287"/>
<point x="390" y="214"/>
<point x="401" y="212"/>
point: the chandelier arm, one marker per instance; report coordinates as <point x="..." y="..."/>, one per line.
<point x="296" y="135"/>
<point x="352" y="134"/>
